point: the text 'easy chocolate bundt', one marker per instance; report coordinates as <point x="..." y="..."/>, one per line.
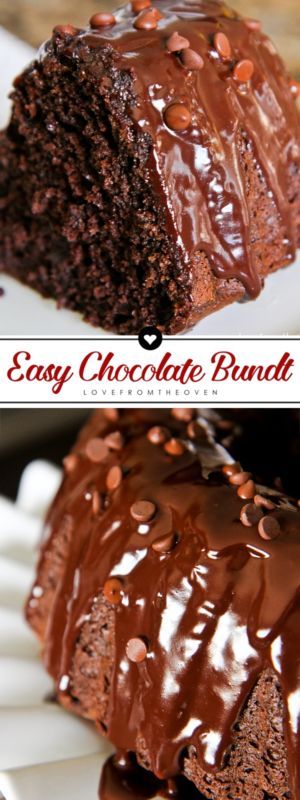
<point x="150" y="171"/>
<point x="167" y="605"/>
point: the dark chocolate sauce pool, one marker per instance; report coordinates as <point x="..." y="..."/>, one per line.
<point x="123" y="779"/>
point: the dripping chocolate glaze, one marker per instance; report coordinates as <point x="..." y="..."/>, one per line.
<point x="198" y="171"/>
<point x="216" y="610"/>
<point x="123" y="779"/>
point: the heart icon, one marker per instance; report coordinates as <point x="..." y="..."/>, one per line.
<point x="150" y="338"/>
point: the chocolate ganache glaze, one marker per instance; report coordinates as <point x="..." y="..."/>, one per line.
<point x="201" y="569"/>
<point x="194" y="160"/>
<point x="149" y="174"/>
<point x="123" y="779"/>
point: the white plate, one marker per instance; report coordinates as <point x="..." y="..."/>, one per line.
<point x="45" y="752"/>
<point x="25" y="313"/>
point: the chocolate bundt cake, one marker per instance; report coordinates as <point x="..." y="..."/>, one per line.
<point x="150" y="171"/>
<point x="167" y="605"/>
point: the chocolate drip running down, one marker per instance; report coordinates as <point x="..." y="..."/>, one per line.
<point x="123" y="779"/>
<point x="196" y="164"/>
<point x="204" y="594"/>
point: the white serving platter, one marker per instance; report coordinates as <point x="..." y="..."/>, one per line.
<point x="24" y="313"/>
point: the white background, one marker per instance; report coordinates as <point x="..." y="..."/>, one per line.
<point x="71" y="352"/>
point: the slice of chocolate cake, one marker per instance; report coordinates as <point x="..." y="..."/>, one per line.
<point x="167" y="604"/>
<point x="150" y="170"/>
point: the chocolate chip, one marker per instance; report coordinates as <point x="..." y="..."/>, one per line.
<point x="269" y="528"/>
<point x="65" y="30"/>
<point x="158" y="435"/>
<point x="195" y="430"/>
<point x="136" y="650"/>
<point x="114" y="478"/>
<point x="183" y="414"/>
<point x="243" y="70"/>
<point x="264" y="502"/>
<point x="295" y="88"/>
<point x="112" y="591"/>
<point x="157" y="13"/>
<point x="142" y="510"/>
<point x="176" y="43"/>
<point x="191" y="60"/>
<point x="174" y="447"/>
<point x="252" y="24"/>
<point x="224" y="425"/>
<point x="222" y="45"/>
<point x="226" y="441"/>
<point x="164" y="544"/>
<point x="96" y="502"/>
<point x="70" y="462"/>
<point x="140" y="5"/>
<point x="238" y="478"/>
<point x="147" y="20"/>
<point x="102" y="20"/>
<point x="177" y="117"/>
<point x="250" y="515"/>
<point x="231" y="469"/>
<point x="247" y="490"/>
<point x="112" y="414"/>
<point x="114" y="441"/>
<point x="96" y="450"/>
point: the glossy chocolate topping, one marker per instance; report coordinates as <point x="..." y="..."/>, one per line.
<point x="195" y="104"/>
<point x="123" y="779"/>
<point x="203" y="602"/>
